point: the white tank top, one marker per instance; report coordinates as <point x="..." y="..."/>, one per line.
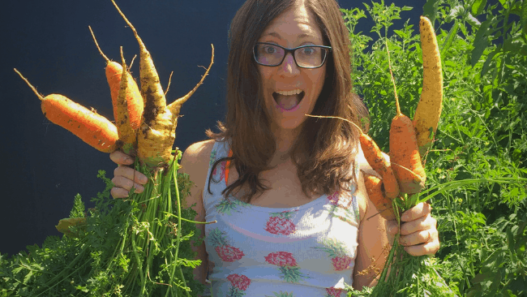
<point x="308" y="250"/>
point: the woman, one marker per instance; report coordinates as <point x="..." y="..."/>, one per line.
<point x="292" y="212"/>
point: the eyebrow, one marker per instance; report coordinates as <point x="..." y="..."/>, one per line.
<point x="303" y="35"/>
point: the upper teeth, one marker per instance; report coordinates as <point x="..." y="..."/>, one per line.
<point x="293" y="92"/>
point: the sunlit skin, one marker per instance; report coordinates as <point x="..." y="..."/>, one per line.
<point x="293" y="28"/>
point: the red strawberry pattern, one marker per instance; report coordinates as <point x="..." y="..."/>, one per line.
<point x="227" y="253"/>
<point x="289" y="270"/>
<point x="341" y="263"/>
<point x="281" y="259"/>
<point x="333" y="292"/>
<point x="336" y="251"/>
<point x="280" y="223"/>
<point x="239" y="284"/>
<point x="334" y="198"/>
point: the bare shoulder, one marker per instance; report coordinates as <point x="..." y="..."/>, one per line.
<point x="197" y="153"/>
<point x="195" y="163"/>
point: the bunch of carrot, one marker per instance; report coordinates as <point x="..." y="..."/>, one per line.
<point x="407" y="138"/>
<point x="144" y="127"/>
<point x="401" y="174"/>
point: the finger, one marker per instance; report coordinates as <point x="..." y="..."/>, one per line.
<point x="416" y="238"/>
<point x="420" y="210"/>
<point x="392" y="227"/>
<point x="429" y="248"/>
<point x="131" y="174"/>
<point x="121" y="158"/>
<point x="127" y="184"/>
<point x="118" y="193"/>
<point x="420" y="224"/>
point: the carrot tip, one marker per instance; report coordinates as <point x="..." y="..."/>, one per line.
<point x="97" y="44"/>
<point x="30" y="85"/>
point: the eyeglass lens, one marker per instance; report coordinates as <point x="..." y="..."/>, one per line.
<point x="271" y="55"/>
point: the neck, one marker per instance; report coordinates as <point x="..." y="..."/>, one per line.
<point x="285" y="139"/>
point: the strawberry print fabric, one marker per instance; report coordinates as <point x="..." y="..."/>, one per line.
<point x="308" y="250"/>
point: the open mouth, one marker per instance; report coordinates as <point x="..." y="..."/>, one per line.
<point x="288" y="101"/>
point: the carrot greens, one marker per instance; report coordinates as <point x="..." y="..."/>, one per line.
<point x="104" y="257"/>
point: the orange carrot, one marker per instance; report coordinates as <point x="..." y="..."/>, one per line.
<point x="128" y="108"/>
<point x="375" y="158"/>
<point x="374" y="188"/>
<point x="404" y="152"/>
<point x="92" y="128"/>
<point x="156" y="134"/>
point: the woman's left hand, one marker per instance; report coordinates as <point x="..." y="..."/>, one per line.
<point x="419" y="233"/>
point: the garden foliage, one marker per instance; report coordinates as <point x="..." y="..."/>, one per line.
<point x="91" y="259"/>
<point x="482" y="133"/>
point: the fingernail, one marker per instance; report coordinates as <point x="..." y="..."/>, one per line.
<point x="129" y="161"/>
<point x="144" y="179"/>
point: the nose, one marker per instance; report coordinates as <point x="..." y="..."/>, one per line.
<point x="289" y="65"/>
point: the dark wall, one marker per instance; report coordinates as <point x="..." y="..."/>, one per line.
<point x="43" y="165"/>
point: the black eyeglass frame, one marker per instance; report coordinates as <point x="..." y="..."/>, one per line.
<point x="292" y="51"/>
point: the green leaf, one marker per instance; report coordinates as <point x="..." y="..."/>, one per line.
<point x="486" y="65"/>
<point x="481" y="277"/>
<point x="478" y="6"/>
<point x="510" y="240"/>
<point x="430" y="10"/>
<point x="480" y="41"/>
<point x="449" y="38"/>
<point x="523" y="18"/>
<point x="78" y="207"/>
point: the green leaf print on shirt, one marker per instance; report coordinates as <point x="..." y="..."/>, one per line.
<point x="212" y="157"/>
<point x="230" y="204"/>
<point x="336" y="251"/>
<point x="344" y="208"/>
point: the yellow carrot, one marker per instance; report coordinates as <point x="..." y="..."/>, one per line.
<point x="127" y="103"/>
<point x="428" y="110"/>
<point x="157" y="132"/>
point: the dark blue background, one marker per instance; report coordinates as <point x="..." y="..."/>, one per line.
<point x="43" y="165"/>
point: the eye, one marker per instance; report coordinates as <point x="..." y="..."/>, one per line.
<point x="269" y="49"/>
<point x="308" y="51"/>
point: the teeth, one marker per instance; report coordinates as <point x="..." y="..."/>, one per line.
<point x="293" y="92"/>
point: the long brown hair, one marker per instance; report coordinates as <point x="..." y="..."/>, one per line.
<point x="325" y="150"/>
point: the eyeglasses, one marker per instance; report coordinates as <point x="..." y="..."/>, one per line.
<point x="305" y="56"/>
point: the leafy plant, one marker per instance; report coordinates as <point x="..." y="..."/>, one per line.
<point x="95" y="263"/>
<point x="482" y="133"/>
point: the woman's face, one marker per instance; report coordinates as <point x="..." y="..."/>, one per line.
<point x="281" y="84"/>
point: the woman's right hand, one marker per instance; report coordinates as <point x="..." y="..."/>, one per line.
<point x="125" y="177"/>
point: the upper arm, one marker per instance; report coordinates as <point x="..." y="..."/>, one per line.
<point x="373" y="241"/>
<point x="195" y="163"/>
